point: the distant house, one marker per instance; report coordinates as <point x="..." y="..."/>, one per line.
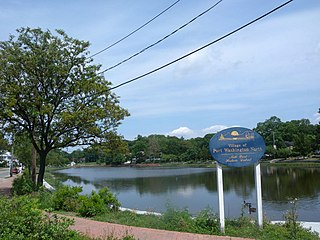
<point x="5" y="159"/>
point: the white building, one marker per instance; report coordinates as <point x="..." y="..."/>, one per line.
<point x="5" y="158"/>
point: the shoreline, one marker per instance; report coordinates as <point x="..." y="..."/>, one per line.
<point x="314" y="226"/>
<point x="274" y="162"/>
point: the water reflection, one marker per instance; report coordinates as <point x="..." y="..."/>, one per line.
<point x="196" y="188"/>
<point x="281" y="184"/>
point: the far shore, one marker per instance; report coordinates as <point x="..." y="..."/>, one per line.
<point x="290" y="162"/>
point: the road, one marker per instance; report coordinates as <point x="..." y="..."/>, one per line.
<point x="4" y="173"/>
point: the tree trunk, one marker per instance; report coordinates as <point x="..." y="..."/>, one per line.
<point x="33" y="164"/>
<point x="41" y="169"/>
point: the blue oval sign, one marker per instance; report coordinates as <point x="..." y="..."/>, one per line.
<point x="237" y="147"/>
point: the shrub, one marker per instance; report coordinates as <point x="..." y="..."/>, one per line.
<point x="109" y="199"/>
<point x="20" y="218"/>
<point x="97" y="203"/>
<point x="91" y="205"/>
<point x="207" y="222"/>
<point x="69" y="199"/>
<point x="66" y="198"/>
<point x="178" y="220"/>
<point x="23" y="185"/>
<point x="293" y="227"/>
<point x="44" y="198"/>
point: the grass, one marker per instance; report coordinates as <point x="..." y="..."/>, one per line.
<point x="207" y="223"/>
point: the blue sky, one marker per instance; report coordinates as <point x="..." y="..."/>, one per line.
<point x="271" y="68"/>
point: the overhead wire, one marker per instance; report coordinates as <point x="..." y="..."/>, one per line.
<point x="203" y="47"/>
<point x="134" y="31"/>
<point x="165" y="37"/>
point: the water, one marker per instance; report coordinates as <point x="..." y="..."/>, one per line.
<point x="154" y="189"/>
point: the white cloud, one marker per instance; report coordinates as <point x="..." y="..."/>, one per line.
<point x="182" y="132"/>
<point x="317" y="116"/>
<point x="189" y="133"/>
<point x="213" y="129"/>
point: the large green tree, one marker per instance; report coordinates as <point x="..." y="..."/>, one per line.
<point x="4" y="145"/>
<point x="53" y="92"/>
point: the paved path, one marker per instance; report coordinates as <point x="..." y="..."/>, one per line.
<point x="101" y="229"/>
<point x="4" y="172"/>
<point x="5" y="182"/>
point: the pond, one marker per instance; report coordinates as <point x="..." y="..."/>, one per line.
<point x="154" y="189"/>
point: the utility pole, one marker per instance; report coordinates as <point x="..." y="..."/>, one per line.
<point x="33" y="164"/>
<point x="11" y="163"/>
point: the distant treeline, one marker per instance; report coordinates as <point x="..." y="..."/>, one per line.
<point x="296" y="138"/>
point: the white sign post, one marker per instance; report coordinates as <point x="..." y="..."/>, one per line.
<point x="259" y="194"/>
<point x="220" y="194"/>
<point x="237" y="147"/>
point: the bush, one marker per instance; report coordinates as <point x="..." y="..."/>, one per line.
<point x="23" y="185"/>
<point x="44" y="199"/>
<point x="66" y="198"/>
<point x="97" y="203"/>
<point x="91" y="205"/>
<point x="207" y="222"/>
<point x="69" y="199"/>
<point x="109" y="199"/>
<point x="20" y="218"/>
<point x="178" y="220"/>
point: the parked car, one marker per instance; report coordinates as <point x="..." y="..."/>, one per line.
<point x="15" y="170"/>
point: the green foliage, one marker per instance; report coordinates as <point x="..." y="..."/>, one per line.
<point x="69" y="199"/>
<point x="53" y="93"/>
<point x="178" y="220"/>
<point x="23" y="185"/>
<point x="4" y="145"/>
<point x="292" y="138"/>
<point x="20" y="218"/>
<point x="207" y="222"/>
<point x="293" y="228"/>
<point x="66" y="198"/>
<point x="109" y="199"/>
<point x="57" y="158"/>
<point x="44" y="199"/>
<point x="22" y="149"/>
<point x="97" y="203"/>
<point x="91" y="205"/>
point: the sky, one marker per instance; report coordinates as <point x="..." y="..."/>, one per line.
<point x="271" y="68"/>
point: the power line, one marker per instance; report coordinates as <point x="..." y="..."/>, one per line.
<point x="162" y="39"/>
<point x="128" y="35"/>
<point x="201" y="48"/>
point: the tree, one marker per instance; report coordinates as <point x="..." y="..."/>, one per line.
<point x="57" y="158"/>
<point x="22" y="149"/>
<point x="53" y="92"/>
<point x="270" y="130"/>
<point x="112" y="151"/>
<point x="139" y="148"/>
<point x="4" y="145"/>
<point x="77" y="155"/>
<point x="153" y="147"/>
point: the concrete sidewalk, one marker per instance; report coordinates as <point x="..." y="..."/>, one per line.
<point x="6" y="185"/>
